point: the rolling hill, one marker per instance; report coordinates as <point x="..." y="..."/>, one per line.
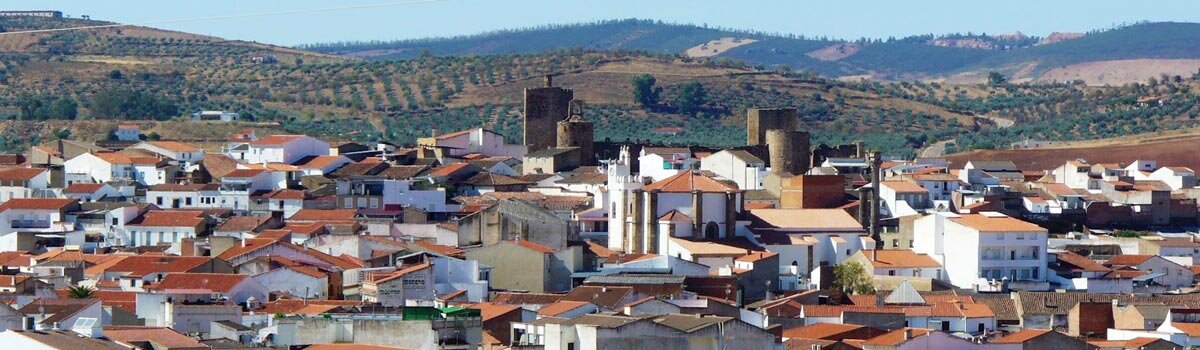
<point x="952" y="57"/>
<point x="137" y="73"/>
<point x="50" y="82"/>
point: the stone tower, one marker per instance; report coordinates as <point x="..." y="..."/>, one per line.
<point x="759" y="120"/>
<point x="624" y="211"/>
<point x="544" y="107"/>
<point x="577" y="132"/>
<point x="788" y="151"/>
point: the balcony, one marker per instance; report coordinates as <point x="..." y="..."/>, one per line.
<point x="30" y="224"/>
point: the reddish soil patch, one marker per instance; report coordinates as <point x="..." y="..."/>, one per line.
<point x="1175" y="152"/>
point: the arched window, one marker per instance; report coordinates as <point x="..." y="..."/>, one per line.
<point x="712" y="231"/>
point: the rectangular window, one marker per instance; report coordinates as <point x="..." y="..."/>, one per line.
<point x="158" y="200"/>
<point x="187" y="201"/>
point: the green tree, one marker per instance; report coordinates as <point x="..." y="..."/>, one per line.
<point x="153" y="136"/>
<point x="852" y="277"/>
<point x="63" y="108"/>
<point x="645" y="92"/>
<point x="132" y="104"/>
<point x="691" y="97"/>
<point x="81" y="292"/>
<point x="996" y="79"/>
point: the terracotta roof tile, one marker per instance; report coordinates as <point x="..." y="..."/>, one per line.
<point x="513" y="298"/>
<point x="159" y="336"/>
<point x="170" y="218"/>
<point x="20" y="174"/>
<point x="217" y="282"/>
<point x="904" y="186"/>
<point x="38" y="203"/>
<point x="244" y="173"/>
<point x="688" y="181"/>
<point x="319" y="162"/>
<point x="899" y="258"/>
<point x="1021" y="336"/>
<point x="814" y="219"/>
<point x="1129" y="259"/>
<point x="142" y="265"/>
<point x="534" y="246"/>
<point x="560" y="307"/>
<point x="897" y="337"/>
<point x="986" y="223"/>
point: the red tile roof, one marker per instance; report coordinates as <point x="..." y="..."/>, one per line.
<point x="20" y="174"/>
<point x="37" y="203"/>
<point x="400" y="273"/>
<point x="121" y="158"/>
<point x="899" y="258"/>
<point x="440" y="249"/>
<point x="449" y="169"/>
<point x="318" y="162"/>
<point x="897" y="337"/>
<point x="142" y="265"/>
<point x="287" y="194"/>
<point x="1021" y="336"/>
<point x="985" y="223"/>
<point x="244" y="173"/>
<point x="560" y="307"/>
<point x="534" y="246"/>
<point x="217" y="282"/>
<point x="161" y="337"/>
<point x="688" y="181"/>
<point x="1129" y="259"/>
<point x="170" y="218"/>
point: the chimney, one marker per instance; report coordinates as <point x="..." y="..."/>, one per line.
<point x="549" y="80"/>
<point x="908" y="333"/>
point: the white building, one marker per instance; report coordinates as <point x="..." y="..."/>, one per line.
<point x="23" y="220"/>
<point x="739" y="166"/>
<point x="397" y="288"/>
<point x="1176" y="177"/>
<point x="975" y="248"/>
<point x="687" y="205"/>
<point x="164" y="227"/>
<point x="215" y="116"/>
<point x="1075" y="174"/>
<point x="478" y="140"/>
<point x="808" y="238"/>
<point x="25" y="183"/>
<point x="129" y="132"/>
<point x="180" y="153"/>
<point x="99" y="167"/>
<point x="277" y="149"/>
<point x="660" y="163"/>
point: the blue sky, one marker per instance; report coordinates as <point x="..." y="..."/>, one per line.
<point x="835" y="18"/>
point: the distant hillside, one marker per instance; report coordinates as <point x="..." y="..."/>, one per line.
<point x="137" y="73"/>
<point x="956" y="57"/>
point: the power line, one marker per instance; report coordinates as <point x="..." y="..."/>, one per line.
<point x="217" y="18"/>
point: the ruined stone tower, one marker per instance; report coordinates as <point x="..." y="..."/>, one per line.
<point x="544" y="107"/>
<point x="577" y="132"/>
<point x="759" y="120"/>
<point x="788" y="151"/>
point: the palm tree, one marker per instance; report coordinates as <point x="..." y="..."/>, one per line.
<point x="81" y="292"/>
